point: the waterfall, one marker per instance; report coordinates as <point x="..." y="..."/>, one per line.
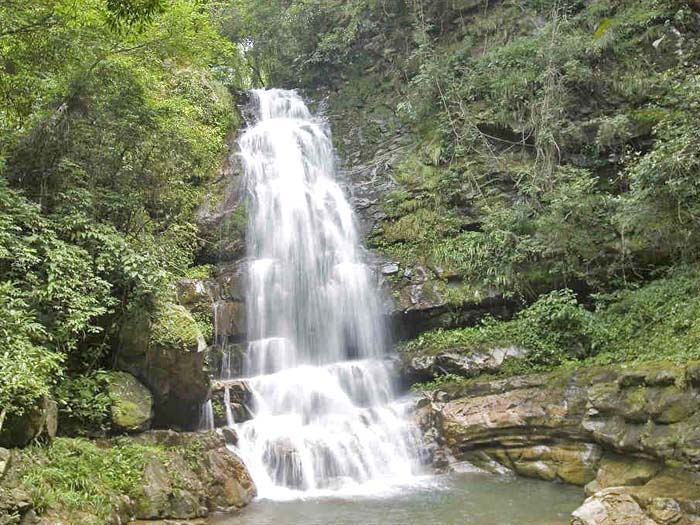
<point x="325" y="409"/>
<point x="206" y="416"/>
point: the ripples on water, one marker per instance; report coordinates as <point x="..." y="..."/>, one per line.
<point x="458" y="499"/>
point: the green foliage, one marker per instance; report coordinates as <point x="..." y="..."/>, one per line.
<point x="80" y="478"/>
<point x="436" y="383"/>
<point x="27" y="370"/>
<point x="174" y="327"/>
<point x="83" y="403"/>
<point x="202" y="271"/>
<point x="654" y="322"/>
<point x="554" y="330"/>
<point x="310" y="43"/>
<point x="555" y="153"/>
<point x="557" y="327"/>
<point x="112" y="124"/>
<point x="660" y="320"/>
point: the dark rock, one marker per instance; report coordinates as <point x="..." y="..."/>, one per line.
<point x="230" y="320"/>
<point x="167" y="355"/>
<point x="241" y="401"/>
<point x="37" y="421"/>
<point x="230" y="436"/>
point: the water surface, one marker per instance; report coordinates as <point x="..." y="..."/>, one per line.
<point x="457" y="499"/>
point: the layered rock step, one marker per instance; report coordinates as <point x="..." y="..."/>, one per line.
<point x="630" y="435"/>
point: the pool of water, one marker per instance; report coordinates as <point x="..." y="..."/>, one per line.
<point x="455" y="499"/>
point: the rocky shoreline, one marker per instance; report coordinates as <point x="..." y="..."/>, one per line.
<point x="628" y="435"/>
<point x="183" y="476"/>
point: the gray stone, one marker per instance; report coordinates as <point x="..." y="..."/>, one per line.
<point x="5" y="457"/>
<point x="611" y="507"/>
<point x="390" y="269"/>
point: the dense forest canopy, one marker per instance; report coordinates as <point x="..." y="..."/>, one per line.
<point x="554" y="148"/>
<point x="113" y="120"/>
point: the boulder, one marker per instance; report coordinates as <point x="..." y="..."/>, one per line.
<point x="611" y="507"/>
<point x="462" y="362"/>
<point x="670" y="497"/>
<point x="230" y="436"/>
<point x="40" y="420"/>
<point x="225" y="480"/>
<point x="16" y="507"/>
<point x="573" y="463"/>
<point x="228" y="483"/>
<point x="131" y="403"/>
<point x="166" y="353"/>
<point x="170" y="489"/>
<point x="616" y="471"/>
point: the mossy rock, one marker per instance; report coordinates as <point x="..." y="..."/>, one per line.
<point x="165" y="351"/>
<point x="174" y="328"/>
<point x="132" y="403"/>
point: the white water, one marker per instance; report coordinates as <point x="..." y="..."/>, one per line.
<point x="326" y="418"/>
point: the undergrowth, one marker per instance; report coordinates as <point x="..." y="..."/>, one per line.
<point x="657" y="321"/>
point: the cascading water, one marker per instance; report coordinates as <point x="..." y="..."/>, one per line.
<point x="325" y="415"/>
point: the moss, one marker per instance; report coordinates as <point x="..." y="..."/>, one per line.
<point x="132" y="403"/>
<point x="174" y="328"/>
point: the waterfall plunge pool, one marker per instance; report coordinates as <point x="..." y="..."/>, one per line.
<point x="452" y="499"/>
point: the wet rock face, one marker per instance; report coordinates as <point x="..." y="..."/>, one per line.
<point x="367" y="163"/>
<point x="221" y="218"/>
<point x="416" y="300"/>
<point x="221" y="298"/>
<point x="174" y="487"/>
<point x="240" y="401"/>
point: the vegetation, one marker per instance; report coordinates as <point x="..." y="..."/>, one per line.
<point x="112" y="124"/>
<point x="549" y="155"/>
<point x="552" y="158"/>
<point x="82" y="479"/>
<point x="90" y="483"/>
<point x="657" y="321"/>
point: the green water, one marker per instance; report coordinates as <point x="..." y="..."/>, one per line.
<point x="456" y="499"/>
